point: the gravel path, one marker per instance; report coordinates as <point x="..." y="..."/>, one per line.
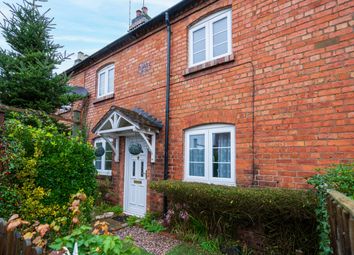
<point x="158" y="244"/>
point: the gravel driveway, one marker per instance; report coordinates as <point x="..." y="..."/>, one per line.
<point x="158" y="244"/>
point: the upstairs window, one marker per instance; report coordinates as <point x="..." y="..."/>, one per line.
<point x="210" y="38"/>
<point x="210" y="154"/>
<point x="105" y="81"/>
<point x="103" y="164"/>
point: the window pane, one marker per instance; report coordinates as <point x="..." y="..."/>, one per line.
<point x="197" y="141"/>
<point x="220" y="26"/>
<point x="220" y="43"/>
<point x="196" y="169"/>
<point x="222" y="170"/>
<point x="98" y="164"/>
<point x="221" y="140"/>
<point x="98" y="161"/>
<point x="142" y="169"/>
<point x="221" y="155"/>
<point x="220" y="38"/>
<point x="199" y="57"/>
<point x="199" y="46"/>
<point x="133" y="168"/>
<point x="199" y="50"/>
<point x="101" y="84"/>
<point x="199" y="35"/>
<point x="196" y="155"/>
<point x="108" y="165"/>
<point x="220" y="50"/>
<point x="108" y="157"/>
<point x="110" y="81"/>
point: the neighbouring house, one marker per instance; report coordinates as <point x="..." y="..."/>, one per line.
<point x="256" y="93"/>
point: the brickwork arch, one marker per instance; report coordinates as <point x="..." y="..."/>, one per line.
<point x="217" y="116"/>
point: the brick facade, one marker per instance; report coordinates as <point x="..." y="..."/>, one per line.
<point x="292" y="72"/>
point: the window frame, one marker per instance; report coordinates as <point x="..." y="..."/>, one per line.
<point x="105" y="71"/>
<point x="207" y="23"/>
<point x="208" y="131"/>
<point x="103" y="158"/>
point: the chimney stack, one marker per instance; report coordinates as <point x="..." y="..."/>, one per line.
<point x="80" y="57"/>
<point x="141" y="18"/>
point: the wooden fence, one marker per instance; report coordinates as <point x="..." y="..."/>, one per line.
<point x="341" y="211"/>
<point x="12" y="243"/>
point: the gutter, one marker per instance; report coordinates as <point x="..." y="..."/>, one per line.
<point x="167" y="111"/>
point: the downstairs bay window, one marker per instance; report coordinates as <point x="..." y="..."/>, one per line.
<point x="210" y="154"/>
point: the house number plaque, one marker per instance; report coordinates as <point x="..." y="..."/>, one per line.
<point x="144" y="68"/>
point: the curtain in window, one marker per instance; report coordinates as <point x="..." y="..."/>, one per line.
<point x="222" y="155"/>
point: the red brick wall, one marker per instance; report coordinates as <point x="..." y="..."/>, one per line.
<point x="297" y="55"/>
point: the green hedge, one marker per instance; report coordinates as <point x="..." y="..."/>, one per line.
<point x="285" y="217"/>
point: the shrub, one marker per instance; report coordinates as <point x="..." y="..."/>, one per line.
<point x="286" y="217"/>
<point x="89" y="243"/>
<point x="149" y="223"/>
<point x="44" y="166"/>
<point x="341" y="178"/>
<point x="9" y="201"/>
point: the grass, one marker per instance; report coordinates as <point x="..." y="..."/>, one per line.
<point x="190" y="249"/>
<point x="104" y="207"/>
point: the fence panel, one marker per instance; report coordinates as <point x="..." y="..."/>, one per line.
<point x="12" y="243"/>
<point x="341" y="211"/>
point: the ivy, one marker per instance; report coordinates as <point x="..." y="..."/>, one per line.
<point x="341" y="178"/>
<point x="323" y="227"/>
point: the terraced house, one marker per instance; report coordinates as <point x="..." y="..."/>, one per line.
<point x="228" y="92"/>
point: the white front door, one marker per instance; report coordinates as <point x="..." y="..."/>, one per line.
<point x="135" y="184"/>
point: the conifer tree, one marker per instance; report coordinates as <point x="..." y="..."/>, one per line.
<point x="27" y="77"/>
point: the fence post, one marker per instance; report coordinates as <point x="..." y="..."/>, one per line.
<point x="27" y="247"/>
<point x="2" y="236"/>
<point x="76" y="122"/>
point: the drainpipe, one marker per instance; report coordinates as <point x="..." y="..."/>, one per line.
<point x="167" y="113"/>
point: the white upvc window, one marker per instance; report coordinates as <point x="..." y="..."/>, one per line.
<point x="103" y="164"/>
<point x="210" y="154"/>
<point x="210" y="38"/>
<point x="105" y="82"/>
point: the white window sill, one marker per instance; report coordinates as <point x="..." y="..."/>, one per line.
<point x="221" y="182"/>
<point x="209" y="64"/>
<point x="103" y="98"/>
<point x="104" y="172"/>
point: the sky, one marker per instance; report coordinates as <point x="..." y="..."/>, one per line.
<point x="89" y="25"/>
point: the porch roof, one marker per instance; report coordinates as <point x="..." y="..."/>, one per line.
<point x="119" y="121"/>
<point x="137" y="117"/>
